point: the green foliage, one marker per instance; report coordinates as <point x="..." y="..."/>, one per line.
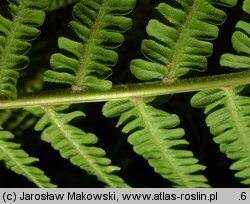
<point x="20" y="162"/>
<point x="246" y="6"/>
<point x="154" y="136"/>
<point x="227" y="110"/>
<point x="241" y="43"/>
<point x="76" y="145"/>
<point x="15" y="34"/>
<point x="98" y="25"/>
<point x="179" y="43"/>
<point x="179" y="40"/>
<point x="228" y="119"/>
<point x="180" y="36"/>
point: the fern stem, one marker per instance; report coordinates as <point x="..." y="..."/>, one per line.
<point x="119" y="92"/>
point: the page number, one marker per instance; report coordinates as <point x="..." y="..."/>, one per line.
<point x="243" y="196"/>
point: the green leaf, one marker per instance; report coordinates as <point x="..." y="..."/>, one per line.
<point x="227" y="111"/>
<point x="179" y="39"/>
<point x="154" y="135"/>
<point x="76" y="145"/>
<point x="228" y="120"/>
<point x="15" y="33"/>
<point x="98" y="27"/>
<point x="20" y="162"/>
<point x="241" y="44"/>
<point x="246" y="6"/>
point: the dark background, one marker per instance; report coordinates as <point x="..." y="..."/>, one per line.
<point x="135" y="170"/>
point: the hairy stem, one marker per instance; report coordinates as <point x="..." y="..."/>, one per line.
<point x="119" y="92"/>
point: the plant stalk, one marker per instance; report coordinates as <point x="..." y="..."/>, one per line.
<point x="119" y="92"/>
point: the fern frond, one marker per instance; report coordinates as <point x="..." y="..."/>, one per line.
<point x="20" y="162"/>
<point x="76" y="145"/>
<point x="241" y="44"/>
<point x="154" y="135"/>
<point x="179" y="39"/>
<point x="228" y="119"/>
<point x="84" y="64"/>
<point x="179" y="43"/>
<point x="15" y="34"/>
<point x="98" y="26"/>
<point x="227" y="111"/>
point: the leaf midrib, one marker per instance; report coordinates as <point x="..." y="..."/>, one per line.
<point x="84" y="60"/>
<point x="179" y="48"/>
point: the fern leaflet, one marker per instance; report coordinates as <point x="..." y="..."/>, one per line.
<point x="179" y="39"/>
<point x="246" y="6"/>
<point x="20" y="162"/>
<point x="98" y="25"/>
<point x="76" y="145"/>
<point x="227" y="110"/>
<point x="228" y="119"/>
<point x="241" y="43"/>
<point x="14" y="36"/>
<point x="154" y="136"/>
